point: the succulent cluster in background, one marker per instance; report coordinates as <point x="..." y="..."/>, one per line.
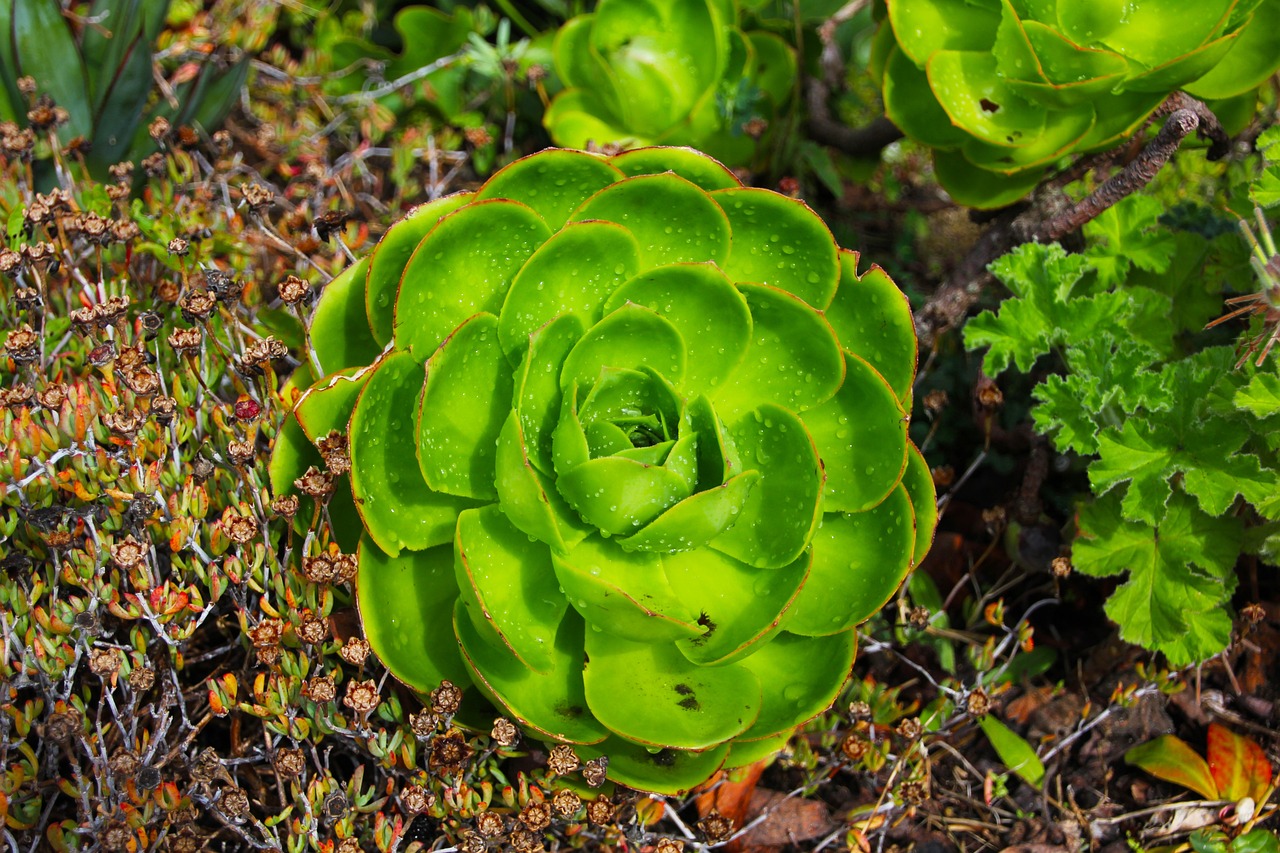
<point x="1002" y="90"/>
<point x="669" y="72"/>
<point x="624" y="412"/>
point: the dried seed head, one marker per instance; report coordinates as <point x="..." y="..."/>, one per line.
<point x="18" y="395"/>
<point x="285" y="506"/>
<point x="197" y="305"/>
<point x="987" y="394"/>
<point x="449" y="751"/>
<point x="121" y="171"/>
<point x="141" y="678"/>
<point x="163" y="408"/>
<point x="335" y="806"/>
<point x="16" y="142"/>
<point x="490" y="824"/>
<point x="914" y="791"/>
<point x="128" y="554"/>
<point x="159" y="129"/>
<point x="855" y="747"/>
<point x="290" y="762"/>
<point x="22" y="344"/>
<point x="201" y="469"/>
<point x="319" y="689"/>
<point x="104" y="663"/>
<point x="268" y="655"/>
<point x="311" y="629"/>
<point x="715" y="827"/>
<point x="1061" y="567"/>
<point x="10" y="261"/>
<point x="935" y="401"/>
<point x="234" y="803"/>
<point x="918" y="617"/>
<point x="504" y="732"/>
<point x="566" y="802"/>
<point x="355" y="651"/>
<point x="294" y="290"/>
<point x="335" y="450"/>
<point x="101" y="356"/>
<point x="536" y="816"/>
<point x="221" y="140"/>
<point x="994" y="517"/>
<point x="600" y="810"/>
<point x="124" y="763"/>
<point x="595" y="771"/>
<point x="27" y="85"/>
<point x="909" y="728"/>
<point x="186" y="340"/>
<point x="144" y="382"/>
<point x="124" y="423"/>
<point x="978" y="703"/>
<point x="264" y="351"/>
<point x="39" y="254"/>
<point x="562" y="760"/>
<point x="116" y="837"/>
<point x="478" y="136"/>
<point x="525" y="841"/>
<point x="257" y="197"/>
<point x="318" y="569"/>
<point x="154" y="165"/>
<point x="62" y="726"/>
<point x="95" y="229"/>
<point x="362" y="696"/>
<point x="46" y="115"/>
<point x="1253" y="613"/>
<point x="669" y="845"/>
<point x="267" y="632"/>
<point x="53" y="396"/>
<point x="423" y="723"/>
<point x="445" y="699"/>
<point x="240" y="529"/>
<point x="149" y="778"/>
<point x="118" y="192"/>
<point x="415" y="799"/>
<point x="179" y="246"/>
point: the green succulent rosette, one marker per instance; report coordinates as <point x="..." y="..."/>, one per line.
<point x="1001" y="89"/>
<point x="628" y="455"/>
<point x="668" y="72"/>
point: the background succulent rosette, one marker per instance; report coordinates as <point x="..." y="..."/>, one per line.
<point x="1001" y="89"/>
<point x="628" y="455"/>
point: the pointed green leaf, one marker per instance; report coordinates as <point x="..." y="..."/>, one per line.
<point x="1013" y="750"/>
<point x="1171" y="759"/>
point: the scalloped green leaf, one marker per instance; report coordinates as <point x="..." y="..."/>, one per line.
<point x="783" y="510"/>
<point x="672" y="219"/>
<point x="553" y="704"/>
<point x="463" y="409"/>
<point x="859" y="561"/>
<point x="917" y="479"/>
<point x="804" y="674"/>
<point x="618" y="495"/>
<point x="507" y="586"/>
<point x="872" y="319"/>
<point x="696" y="520"/>
<point x="710" y="314"/>
<point x="861" y="435"/>
<point x="739" y="606"/>
<point x="392" y="254"/>
<point x="572" y="273"/>
<point x="528" y="497"/>
<point x="554" y="183"/>
<point x="406" y="610"/>
<point x="794" y="359"/>
<point x="430" y="303"/>
<point x="779" y="241"/>
<point x="688" y="163"/>
<point x="623" y="592"/>
<point x="673" y="772"/>
<point x="630" y="337"/>
<point x="340" y="325"/>
<point x="651" y="694"/>
<point x="398" y="508"/>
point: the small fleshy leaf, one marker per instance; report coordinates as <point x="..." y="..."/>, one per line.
<point x="630" y="337"/>
<point x="552" y="704"/>
<point x="536" y="397"/>
<point x="740" y="607"/>
<point x="464" y="406"/>
<point x="688" y="163"/>
<point x="918" y="481"/>
<point x="782" y="511"/>
<point x="572" y="273"/>
<point x="710" y="314"/>
<point x="672" y="219"/>
<point x="430" y="303"/>
<point x="779" y="241"/>
<point x="392" y="254"/>
<point x="859" y="561"/>
<point x="673" y="772"/>
<point x="794" y="359"/>
<point x="651" y="694"/>
<point x="861" y="435"/>
<point x="340" y="325"/>
<point x="508" y="584"/>
<point x="624" y="593"/>
<point x="804" y="674"/>
<point x="696" y="520"/>
<point x="528" y="497"/>
<point x="554" y="183"/>
<point x="872" y="319"/>
<point x="618" y="495"/>
<point x="406" y="608"/>
<point x="398" y="508"/>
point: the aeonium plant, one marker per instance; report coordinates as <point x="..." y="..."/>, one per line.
<point x="628" y="455"/>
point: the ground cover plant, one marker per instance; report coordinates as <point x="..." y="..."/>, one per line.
<point x="208" y="640"/>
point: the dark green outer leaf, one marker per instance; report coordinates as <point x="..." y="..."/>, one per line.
<point x="339" y="324"/>
<point x="45" y="50"/>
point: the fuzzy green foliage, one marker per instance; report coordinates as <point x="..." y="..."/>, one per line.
<point x="1001" y="89"/>
<point x="102" y="76"/>
<point x="1178" y="440"/>
<point x="628" y="454"/>
<point x="668" y="72"/>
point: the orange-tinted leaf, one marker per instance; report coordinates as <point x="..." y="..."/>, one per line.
<point x="1171" y="759"/>
<point x="1237" y="763"/>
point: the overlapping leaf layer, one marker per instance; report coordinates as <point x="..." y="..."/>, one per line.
<point x="1001" y="89"/>
<point x="628" y="454"/>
